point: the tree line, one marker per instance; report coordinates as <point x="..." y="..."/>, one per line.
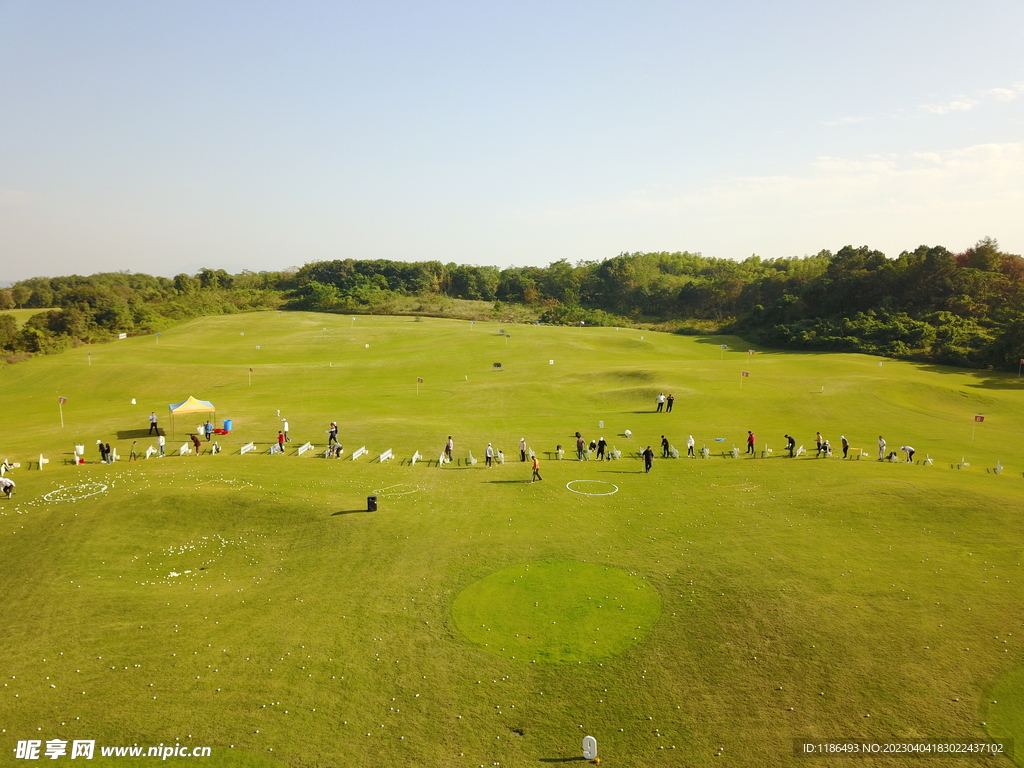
<point x="930" y="304"/>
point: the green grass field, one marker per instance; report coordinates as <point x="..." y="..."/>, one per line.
<point x="708" y="613"/>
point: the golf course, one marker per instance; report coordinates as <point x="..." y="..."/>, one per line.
<point x="711" y="612"/>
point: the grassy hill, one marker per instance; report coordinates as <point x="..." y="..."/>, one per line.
<point x="706" y="614"/>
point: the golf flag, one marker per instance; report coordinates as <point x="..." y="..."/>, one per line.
<point x="750" y="351"/>
<point x="746" y="373"/>
<point x="979" y="418"/>
<point x="419" y="379"/>
<point x="250" y="370"/>
<point x="725" y="346"/>
<point x="61" y="400"/>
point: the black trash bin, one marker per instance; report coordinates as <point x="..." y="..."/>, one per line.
<point x="371" y="503"/>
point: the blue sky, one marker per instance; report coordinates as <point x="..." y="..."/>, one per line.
<point x="163" y="137"/>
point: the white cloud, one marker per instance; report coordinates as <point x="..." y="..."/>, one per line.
<point x="961" y="104"/>
<point x="892" y="202"/>
<point x="1005" y="94"/>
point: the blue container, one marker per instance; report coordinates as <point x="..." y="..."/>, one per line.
<point x="227" y="425"/>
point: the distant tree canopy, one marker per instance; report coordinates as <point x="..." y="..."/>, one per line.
<point x="930" y="304"/>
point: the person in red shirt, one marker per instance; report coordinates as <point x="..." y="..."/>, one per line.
<point x="750" y="441"/>
<point x="280" y="442"/>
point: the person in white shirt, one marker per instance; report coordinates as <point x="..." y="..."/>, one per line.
<point x="161" y="441"/>
<point x="7" y="486"/>
<point x="910" y="453"/>
<point x="689" y="447"/>
<point x="881" y="448"/>
<point x="522" y="449"/>
<point x="489" y="455"/>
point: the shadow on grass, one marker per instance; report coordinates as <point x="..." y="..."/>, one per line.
<point x="348" y="512"/>
<point x="563" y="759"/>
<point x="136" y="434"/>
<point x="516" y="482"/>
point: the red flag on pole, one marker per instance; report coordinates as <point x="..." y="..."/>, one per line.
<point x="419" y="380"/>
<point x="979" y="418"/>
<point x="746" y="373"/>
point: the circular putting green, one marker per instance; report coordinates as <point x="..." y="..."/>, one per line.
<point x="557" y="611"/>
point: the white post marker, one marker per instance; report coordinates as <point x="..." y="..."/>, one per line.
<point x="416" y="457"/>
<point x="735" y="452"/>
<point x="927" y="460"/>
<point x="246" y="448"/>
<point x="442" y="459"/>
<point x="185" y="449"/>
<point x="304" y="448"/>
<point x="674" y="451"/>
<point x="385" y="456"/>
<point x="501" y="457"/>
<point x="117" y="456"/>
<point x="215" y="448"/>
<point x="589" y="748"/>
<point x="151" y="451"/>
<point x="359" y="453"/>
<point x="999" y="468"/>
<point x="42" y="461"/>
<point x="800" y="450"/>
<point x="472" y="460"/>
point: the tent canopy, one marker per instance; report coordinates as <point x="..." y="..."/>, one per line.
<point x="192" y="405"/>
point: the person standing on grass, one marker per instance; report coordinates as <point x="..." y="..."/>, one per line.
<point x="102" y="450"/>
<point x="333" y="434"/>
<point x="522" y="449"/>
<point x="449" y="448"/>
<point x="536" y="469"/>
<point x="791" y="445"/>
<point x="817" y="442"/>
<point x="152" y="423"/>
<point x="489" y="456"/>
<point x="208" y="429"/>
<point x="280" y="442"/>
<point x="648" y="456"/>
<point x="161" y="441"/>
<point x="846" y="445"/>
<point x="661" y="402"/>
<point x="689" y="447"/>
<point x="581" y="447"/>
<point x="195" y="442"/>
<point x="750" y="442"/>
<point x="602" y="447"/>
<point x="881" y="448"/>
<point x="134" y="455"/>
<point x="668" y="403"/>
<point x="7" y="486"/>
<point x="664" y="447"/>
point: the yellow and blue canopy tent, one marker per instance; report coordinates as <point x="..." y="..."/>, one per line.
<point x="191" y="405"/>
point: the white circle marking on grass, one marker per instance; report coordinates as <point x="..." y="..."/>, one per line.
<point x="399" y="490"/>
<point x="75" y="492"/>
<point x="568" y="487"/>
